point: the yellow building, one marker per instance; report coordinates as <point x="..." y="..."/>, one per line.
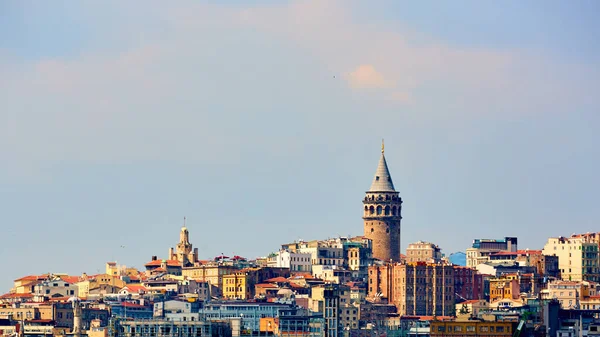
<point x="471" y="328"/>
<point x="99" y="284"/>
<point x="25" y="285"/>
<point x="505" y="287"/>
<point x="211" y="273"/>
<point x="27" y="311"/>
<point x="112" y="268"/>
<point x="237" y="285"/>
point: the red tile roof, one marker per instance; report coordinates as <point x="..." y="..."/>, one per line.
<point x="134" y="288"/>
<point x="170" y="263"/>
<point x="13" y="295"/>
<point x="277" y="280"/>
<point x="28" y="278"/>
<point x="266" y="285"/>
<point x="59" y="299"/>
<point x="70" y="279"/>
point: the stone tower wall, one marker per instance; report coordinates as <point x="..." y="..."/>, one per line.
<point x="382" y="217"/>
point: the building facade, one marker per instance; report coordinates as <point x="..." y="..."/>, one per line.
<point x="483" y="248"/>
<point x="417" y="289"/>
<point x="423" y="252"/>
<point x="578" y="257"/>
<point x="382" y="214"/>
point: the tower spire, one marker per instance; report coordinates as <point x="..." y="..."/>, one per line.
<point x="382" y="182"/>
<point x="382" y="146"/>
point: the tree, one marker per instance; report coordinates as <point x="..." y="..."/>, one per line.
<point x="464" y="310"/>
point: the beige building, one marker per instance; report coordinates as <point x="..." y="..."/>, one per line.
<point x="423" y="252"/>
<point x="570" y="294"/>
<point x="481" y="249"/>
<point x="27" y="311"/>
<point x="471" y="307"/>
<point x="212" y="273"/>
<point x="99" y="284"/>
<point x="416" y="288"/>
<point x="578" y="257"/>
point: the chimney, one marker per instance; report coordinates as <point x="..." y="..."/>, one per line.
<point x="154" y="258"/>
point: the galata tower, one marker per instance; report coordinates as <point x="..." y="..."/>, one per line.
<point x="382" y="214"/>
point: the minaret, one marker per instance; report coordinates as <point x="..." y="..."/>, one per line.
<point x="382" y="214"/>
<point x="76" y="318"/>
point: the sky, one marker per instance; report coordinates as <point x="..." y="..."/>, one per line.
<point x="261" y="122"/>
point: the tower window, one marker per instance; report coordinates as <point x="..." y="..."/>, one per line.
<point x="377" y="178"/>
<point x="371" y="210"/>
<point x="387" y="230"/>
<point x="372" y="230"/>
<point x="379" y="210"/>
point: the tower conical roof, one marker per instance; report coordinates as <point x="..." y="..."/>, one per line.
<point x="382" y="182"/>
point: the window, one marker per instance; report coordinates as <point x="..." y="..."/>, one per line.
<point x="470" y="328"/>
<point x="441" y="328"/>
<point x="499" y="329"/>
<point x="458" y="328"/>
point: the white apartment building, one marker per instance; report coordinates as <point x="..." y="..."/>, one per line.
<point x="578" y="258"/>
<point x="296" y="262"/>
<point x="53" y="288"/>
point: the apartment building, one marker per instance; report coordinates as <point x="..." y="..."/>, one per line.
<point x="423" y="252"/>
<point x="482" y="248"/>
<point x="416" y="288"/>
<point x="578" y="257"/>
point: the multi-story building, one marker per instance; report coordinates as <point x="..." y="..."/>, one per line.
<point x="472" y="328"/>
<point x="163" y="327"/>
<point x="99" y="284"/>
<point x="482" y="248"/>
<point x="504" y="287"/>
<point x="25" y="285"/>
<point x="325" y="299"/>
<point x="177" y="310"/>
<point x="578" y="257"/>
<point x="415" y="288"/>
<point x="211" y="272"/>
<point x="249" y="312"/>
<point x="423" y="252"/>
<point x="359" y="255"/>
<point x="382" y="214"/>
<point x="241" y="284"/>
<point x="28" y="311"/>
<point x="571" y="293"/>
<point x="163" y="267"/>
<point x="293" y="322"/>
<point x="468" y="284"/>
<point x="294" y="261"/>
<point x="53" y="287"/>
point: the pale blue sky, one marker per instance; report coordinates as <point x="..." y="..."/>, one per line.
<point x="118" y="119"/>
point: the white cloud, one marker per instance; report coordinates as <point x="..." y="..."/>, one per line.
<point x="365" y="76"/>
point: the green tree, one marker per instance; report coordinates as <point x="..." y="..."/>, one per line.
<point x="464" y="310"/>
